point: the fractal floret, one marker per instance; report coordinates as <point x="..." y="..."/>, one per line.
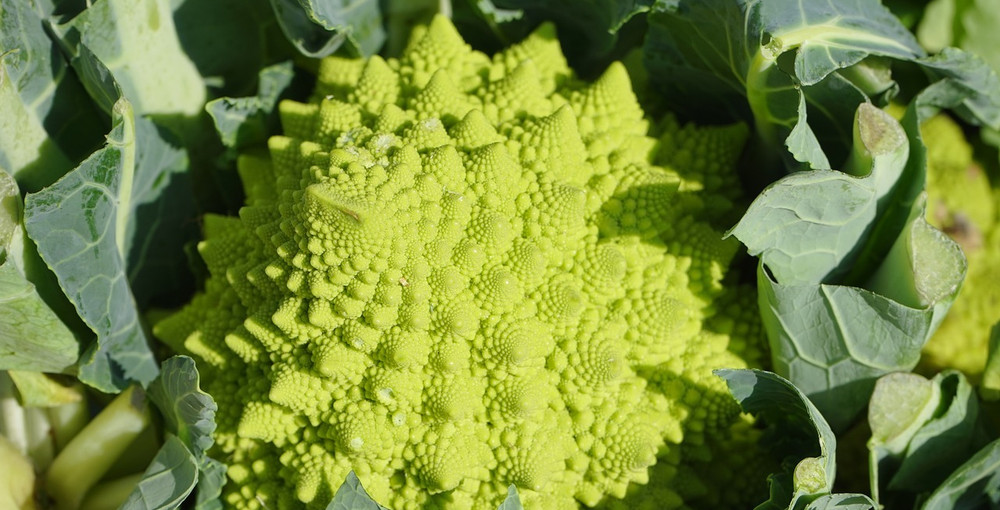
<point x="962" y="202"/>
<point x="455" y="273"/>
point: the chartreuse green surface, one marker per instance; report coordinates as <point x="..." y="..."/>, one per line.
<point x="455" y="274"/>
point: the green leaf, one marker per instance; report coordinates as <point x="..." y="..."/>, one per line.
<point x="592" y="32"/>
<point x="242" y="121"/>
<point x="975" y="484"/>
<point x="32" y="336"/>
<point x="216" y="36"/>
<point x="512" y="501"/>
<point x="967" y="24"/>
<point x="922" y="430"/>
<point x="167" y="482"/>
<point x="989" y="388"/>
<point x="796" y="431"/>
<point x="188" y="411"/>
<point x="836" y="341"/>
<point x="842" y="502"/>
<point x="48" y="122"/>
<point x="352" y="496"/>
<point x="138" y="43"/>
<point x="853" y="280"/>
<point x="798" y="69"/>
<point x="318" y="28"/>
<point x="808" y="225"/>
<point x="211" y="478"/>
<point x="758" y="59"/>
<point x="962" y="82"/>
<point x="36" y="389"/>
<point x="80" y="225"/>
<point x="189" y="415"/>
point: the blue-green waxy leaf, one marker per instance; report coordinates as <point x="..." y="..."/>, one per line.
<point x="836" y="341"/>
<point x="797" y="432"/>
<point x="352" y="496"/>
<point x="80" y="225"/>
<point x="48" y="123"/>
<point x="211" y="478"/>
<point x="167" y="481"/>
<point x="853" y="280"/>
<point x="189" y="412"/>
<point x="242" y="121"/>
<point x="318" y="28"/>
<point x="976" y="484"/>
<point x="189" y="415"/>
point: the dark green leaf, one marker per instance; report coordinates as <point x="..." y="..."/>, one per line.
<point x="990" y="386"/>
<point x="318" y="28"/>
<point x="218" y="38"/>
<point x="976" y="484"/>
<point x="842" y="502"/>
<point x="798" y="69"/>
<point x="796" y="431"/>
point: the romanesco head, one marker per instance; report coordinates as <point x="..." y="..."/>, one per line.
<point x="962" y="203"/>
<point x="455" y="273"/>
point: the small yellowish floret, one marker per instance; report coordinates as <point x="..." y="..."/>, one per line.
<point x="455" y="273"/>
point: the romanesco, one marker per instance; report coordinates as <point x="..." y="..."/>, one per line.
<point x="962" y="203"/>
<point x="454" y="273"/>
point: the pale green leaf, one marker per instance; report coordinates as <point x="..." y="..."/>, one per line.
<point x="138" y="43"/>
<point x="32" y="336"/>
<point x="48" y="123"/>
<point x="37" y="389"/>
